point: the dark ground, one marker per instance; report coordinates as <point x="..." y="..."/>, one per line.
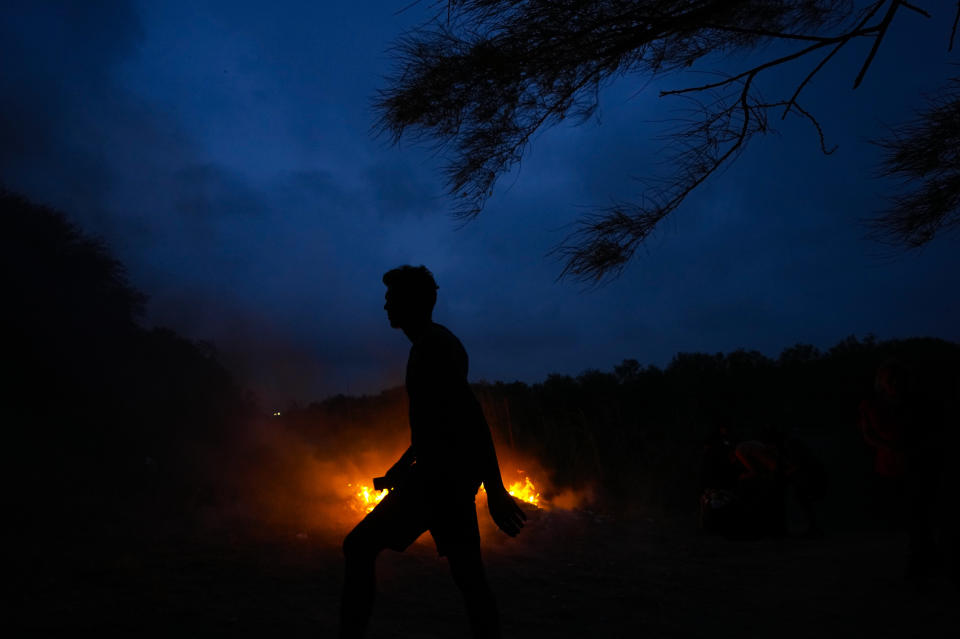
<point x="569" y="574"/>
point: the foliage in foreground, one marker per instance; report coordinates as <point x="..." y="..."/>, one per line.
<point x="485" y="75"/>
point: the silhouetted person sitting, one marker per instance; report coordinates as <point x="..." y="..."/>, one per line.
<point x="435" y="481"/>
<point x="762" y="485"/>
<point x="721" y="510"/>
<point x="718" y="469"/>
<point x="808" y="476"/>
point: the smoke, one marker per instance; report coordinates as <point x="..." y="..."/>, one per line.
<point x="280" y="480"/>
<point x="301" y="472"/>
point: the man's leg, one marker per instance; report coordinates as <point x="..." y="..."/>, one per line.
<point x="469" y="575"/>
<point x="395" y="523"/>
<point x="359" y="584"/>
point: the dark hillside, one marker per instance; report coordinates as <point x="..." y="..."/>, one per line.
<point x="109" y="425"/>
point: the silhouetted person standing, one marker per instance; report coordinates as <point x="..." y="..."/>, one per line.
<point x="901" y="427"/>
<point x="951" y="476"/>
<point x="436" y="480"/>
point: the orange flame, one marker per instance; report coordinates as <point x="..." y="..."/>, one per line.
<point x="366" y="499"/>
<point x="523" y="490"/>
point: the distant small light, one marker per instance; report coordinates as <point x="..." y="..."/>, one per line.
<point x="276" y="414"/>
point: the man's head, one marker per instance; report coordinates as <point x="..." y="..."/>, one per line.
<point x="411" y="295"/>
<point x="892" y="380"/>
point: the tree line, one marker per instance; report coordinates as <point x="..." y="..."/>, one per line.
<point x="634" y="434"/>
<point x="118" y="431"/>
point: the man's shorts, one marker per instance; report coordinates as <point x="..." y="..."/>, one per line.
<point x="409" y="511"/>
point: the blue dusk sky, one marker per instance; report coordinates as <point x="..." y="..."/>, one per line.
<point x="224" y="152"/>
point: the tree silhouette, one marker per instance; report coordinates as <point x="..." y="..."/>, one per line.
<point x="485" y="75"/>
<point x="111" y="424"/>
<point x="925" y="154"/>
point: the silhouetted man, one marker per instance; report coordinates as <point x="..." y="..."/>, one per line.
<point x="435" y="481"/>
<point x="901" y="425"/>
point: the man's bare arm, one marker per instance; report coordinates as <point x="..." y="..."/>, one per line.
<point x="503" y="509"/>
<point x="407" y="458"/>
<point x="490" y="465"/>
<point x="398" y="472"/>
<point x="870" y="434"/>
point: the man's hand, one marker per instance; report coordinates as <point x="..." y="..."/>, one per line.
<point x="505" y="512"/>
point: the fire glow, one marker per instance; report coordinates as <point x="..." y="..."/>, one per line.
<point x="522" y="490"/>
<point x="365" y="499"/>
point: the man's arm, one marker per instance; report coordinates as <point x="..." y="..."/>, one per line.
<point x="869" y="431"/>
<point x="503" y="509"/>
<point x="398" y="472"/>
<point x="489" y="465"/>
<point x="750" y="470"/>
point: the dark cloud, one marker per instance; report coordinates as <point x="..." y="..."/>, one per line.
<point x="224" y="152"/>
<point x="398" y="190"/>
<point x="58" y="58"/>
